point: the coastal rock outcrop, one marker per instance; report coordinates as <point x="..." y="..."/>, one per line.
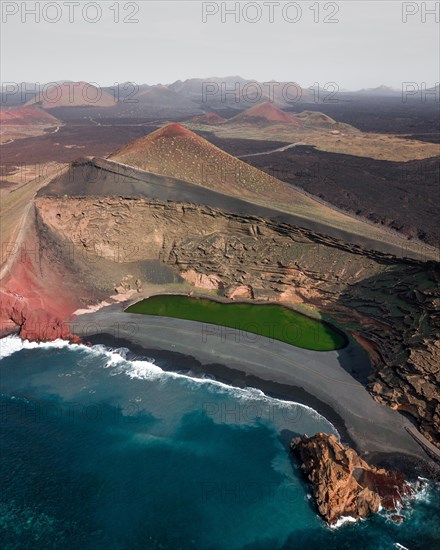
<point x="343" y="483"/>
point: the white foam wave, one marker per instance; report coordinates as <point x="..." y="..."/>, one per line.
<point x="144" y="370"/>
<point x="12" y="344"/>
<point x="423" y="490"/>
<point x="342" y="521"/>
<point x="147" y="370"/>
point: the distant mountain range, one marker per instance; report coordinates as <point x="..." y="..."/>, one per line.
<point x="194" y="96"/>
<point x="380" y="90"/>
<point x="159" y="100"/>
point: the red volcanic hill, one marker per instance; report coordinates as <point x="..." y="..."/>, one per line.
<point x="175" y="151"/>
<point x="72" y="94"/>
<point x="208" y="118"/>
<point x="266" y="113"/>
<point x="20" y="116"/>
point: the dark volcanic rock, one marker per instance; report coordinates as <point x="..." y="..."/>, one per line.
<point x="343" y="483"/>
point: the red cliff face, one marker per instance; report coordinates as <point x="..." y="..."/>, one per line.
<point x="34" y="300"/>
<point x="34" y="323"/>
<point x="343" y="483"/>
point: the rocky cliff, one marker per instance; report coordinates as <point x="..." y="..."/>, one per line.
<point x="343" y="483"/>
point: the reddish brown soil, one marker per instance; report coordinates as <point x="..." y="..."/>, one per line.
<point x="172" y="131"/>
<point x="178" y="152"/>
<point x="208" y="118"/>
<point x="12" y="116"/>
<point x="34" y="297"/>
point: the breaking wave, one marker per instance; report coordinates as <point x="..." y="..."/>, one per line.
<point x="116" y="359"/>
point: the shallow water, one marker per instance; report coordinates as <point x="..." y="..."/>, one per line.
<point x="98" y="451"/>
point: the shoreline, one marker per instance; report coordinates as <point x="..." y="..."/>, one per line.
<point x="235" y="378"/>
<point x="322" y="382"/>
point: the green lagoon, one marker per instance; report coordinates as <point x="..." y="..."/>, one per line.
<point x="270" y="320"/>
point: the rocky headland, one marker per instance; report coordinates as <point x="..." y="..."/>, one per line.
<point x="343" y="484"/>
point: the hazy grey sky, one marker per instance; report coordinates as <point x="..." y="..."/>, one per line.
<point x="367" y="44"/>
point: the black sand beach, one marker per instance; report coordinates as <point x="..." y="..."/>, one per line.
<point x="329" y="382"/>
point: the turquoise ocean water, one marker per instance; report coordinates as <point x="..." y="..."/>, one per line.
<point x="101" y="452"/>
